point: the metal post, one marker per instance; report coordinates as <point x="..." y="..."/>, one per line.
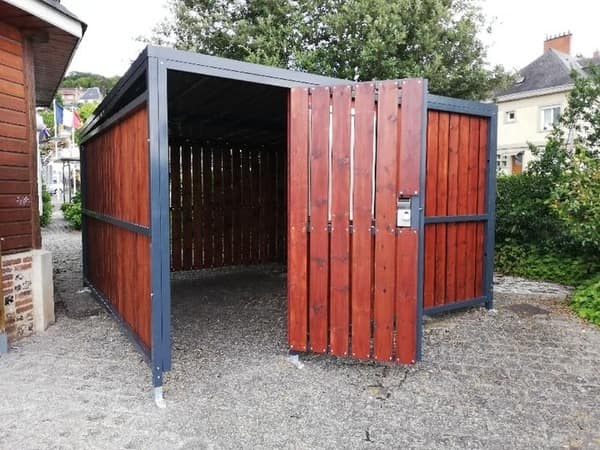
<point x="490" y="225"/>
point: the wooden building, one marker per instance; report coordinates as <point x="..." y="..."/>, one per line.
<point x="37" y="41"/>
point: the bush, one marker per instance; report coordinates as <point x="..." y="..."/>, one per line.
<point x="46" y="216"/>
<point x="586" y="300"/>
<point x="72" y="211"/>
<point x="540" y="264"/>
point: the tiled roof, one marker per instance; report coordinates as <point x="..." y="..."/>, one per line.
<point x="552" y="69"/>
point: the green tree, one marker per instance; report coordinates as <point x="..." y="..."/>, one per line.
<point x="88" y="80"/>
<point x="570" y="163"/>
<point x="351" y="39"/>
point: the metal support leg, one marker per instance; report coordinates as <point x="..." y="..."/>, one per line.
<point x="3" y="343"/>
<point x="158" y="397"/>
<point x="294" y="358"/>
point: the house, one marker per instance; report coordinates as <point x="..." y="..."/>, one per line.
<point x="37" y="41"/>
<point x="528" y="109"/>
<point x="71" y="96"/>
<point x="91" y="95"/>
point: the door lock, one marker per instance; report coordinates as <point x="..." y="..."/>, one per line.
<point x="403" y="212"/>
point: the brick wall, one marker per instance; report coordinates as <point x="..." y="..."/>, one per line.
<point x="18" y="298"/>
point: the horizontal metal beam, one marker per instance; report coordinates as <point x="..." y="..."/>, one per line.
<point x="125" y="327"/>
<point x="448" y="104"/>
<point x="134" y="227"/>
<point x="124" y="112"/>
<point x="457" y="219"/>
<point x="454" y="306"/>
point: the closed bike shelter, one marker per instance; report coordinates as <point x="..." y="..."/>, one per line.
<point x="377" y="196"/>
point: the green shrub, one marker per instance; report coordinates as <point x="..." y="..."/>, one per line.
<point x="586" y="300"/>
<point x="72" y="211"/>
<point x="46" y="207"/>
<point x="540" y="264"/>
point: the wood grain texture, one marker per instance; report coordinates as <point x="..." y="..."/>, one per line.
<point x="318" y="286"/>
<point x="297" y="285"/>
<point x="339" y="297"/>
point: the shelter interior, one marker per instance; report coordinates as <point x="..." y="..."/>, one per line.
<point x="227" y="141"/>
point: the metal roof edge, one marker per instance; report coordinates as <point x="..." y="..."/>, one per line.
<point x="232" y="65"/>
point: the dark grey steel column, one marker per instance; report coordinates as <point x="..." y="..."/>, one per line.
<point x="490" y="225"/>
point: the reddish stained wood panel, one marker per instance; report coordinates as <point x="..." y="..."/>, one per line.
<point x="385" y="220"/>
<point x="362" y="252"/>
<point x="197" y="234"/>
<point x="297" y="280"/>
<point x="451" y="252"/>
<point x="430" y="209"/>
<point x="461" y="233"/>
<point x="187" y="201"/>
<point x="340" y="221"/>
<point x="319" y="237"/>
<point x="176" y="222"/>
<point x="441" y="199"/>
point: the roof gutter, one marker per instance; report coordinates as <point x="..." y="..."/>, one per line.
<point x="534" y="93"/>
<point x="50" y="15"/>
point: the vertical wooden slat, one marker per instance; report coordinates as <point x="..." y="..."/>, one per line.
<point x="218" y="205"/>
<point x="430" y="208"/>
<point x="269" y="205"/>
<point x="362" y="254"/>
<point x="227" y="208"/>
<point x="176" y="262"/>
<point x="451" y="252"/>
<point x="197" y="205"/>
<point x="236" y="206"/>
<point x="246" y="199"/>
<point x="339" y="296"/>
<point x="410" y="131"/>
<point x="461" y="234"/>
<point x="208" y="213"/>
<point x="297" y="218"/>
<point x="256" y="225"/>
<point x="319" y="239"/>
<point x="481" y="208"/>
<point x="473" y="168"/>
<point x="188" y="234"/>
<point x="385" y="220"/>
<point x="441" y="208"/>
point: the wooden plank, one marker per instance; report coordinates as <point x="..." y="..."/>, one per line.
<point x="15" y="187"/>
<point x="14" y="103"/>
<point x="472" y="182"/>
<point x="461" y="233"/>
<point x="227" y="208"/>
<point x="410" y="129"/>
<point x="339" y="296"/>
<point x="236" y="206"/>
<point x="451" y="250"/>
<point x="297" y="218"/>
<point x="197" y="205"/>
<point x="11" y="46"/>
<point x="246" y="199"/>
<point x="218" y="205"/>
<point x="12" y="89"/>
<point x="385" y="220"/>
<point x="270" y="212"/>
<point x="12" y="75"/>
<point x="10" y="60"/>
<point x="362" y="252"/>
<point x="441" y="209"/>
<point x="430" y="208"/>
<point x="255" y="221"/>
<point x="264" y="207"/>
<point x="176" y="261"/>
<point x="187" y="217"/>
<point x="319" y="237"/>
<point x="13" y="131"/>
<point x="14" y="215"/>
<point x="481" y="206"/>
<point x="14" y="174"/>
<point x="207" y="195"/>
<point x="15" y="228"/>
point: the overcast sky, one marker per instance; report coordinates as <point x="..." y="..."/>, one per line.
<point x="109" y="45"/>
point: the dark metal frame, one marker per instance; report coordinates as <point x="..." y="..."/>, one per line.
<point x="155" y="62"/>
<point x="489" y="110"/>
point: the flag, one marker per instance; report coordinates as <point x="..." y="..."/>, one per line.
<point x="76" y="120"/>
<point x="68" y="118"/>
<point x="58" y="113"/>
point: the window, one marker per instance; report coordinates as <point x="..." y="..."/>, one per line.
<point x="510" y="116"/>
<point x="549" y="117"/>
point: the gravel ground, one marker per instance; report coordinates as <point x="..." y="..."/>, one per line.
<point x="523" y="377"/>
